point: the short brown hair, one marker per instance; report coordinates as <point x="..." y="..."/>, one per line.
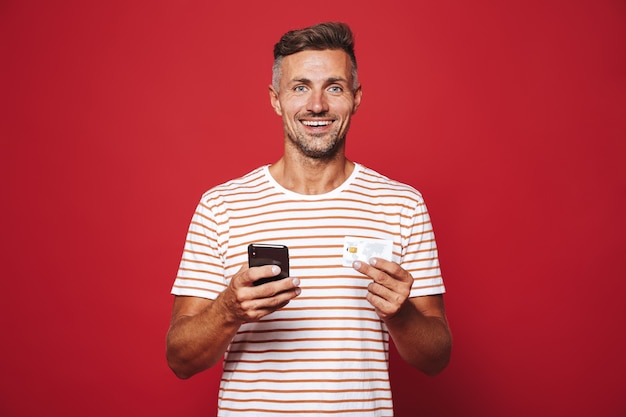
<point x="327" y="35"/>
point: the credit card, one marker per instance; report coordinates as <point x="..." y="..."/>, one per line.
<point x="362" y="249"/>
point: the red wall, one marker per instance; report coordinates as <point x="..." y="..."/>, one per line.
<point x="510" y="117"/>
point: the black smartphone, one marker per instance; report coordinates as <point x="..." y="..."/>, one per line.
<point x="267" y="254"/>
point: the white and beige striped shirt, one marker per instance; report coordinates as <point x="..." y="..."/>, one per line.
<point x="326" y="352"/>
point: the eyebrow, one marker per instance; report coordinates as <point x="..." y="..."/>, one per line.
<point x="330" y="80"/>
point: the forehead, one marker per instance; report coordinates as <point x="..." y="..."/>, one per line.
<point x="314" y="65"/>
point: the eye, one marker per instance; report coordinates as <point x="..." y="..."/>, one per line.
<point x="300" y="89"/>
<point x="335" y="89"/>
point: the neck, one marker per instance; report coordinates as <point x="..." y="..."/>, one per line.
<point x="311" y="176"/>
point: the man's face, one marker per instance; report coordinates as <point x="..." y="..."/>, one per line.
<point x="316" y="100"/>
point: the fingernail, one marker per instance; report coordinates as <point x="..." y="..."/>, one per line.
<point x="296" y="282"/>
<point x="275" y="269"/>
<point x="356" y="264"/>
<point x="373" y="261"/>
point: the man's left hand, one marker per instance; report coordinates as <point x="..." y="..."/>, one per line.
<point x="390" y="286"/>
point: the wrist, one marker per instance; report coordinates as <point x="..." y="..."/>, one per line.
<point x="223" y="310"/>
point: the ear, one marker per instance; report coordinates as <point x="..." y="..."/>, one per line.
<point x="274" y="101"/>
<point x="358" y="94"/>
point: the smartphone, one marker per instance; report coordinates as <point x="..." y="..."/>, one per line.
<point x="267" y="254"/>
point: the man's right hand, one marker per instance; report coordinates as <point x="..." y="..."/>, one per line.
<point x="243" y="302"/>
<point x="201" y="329"/>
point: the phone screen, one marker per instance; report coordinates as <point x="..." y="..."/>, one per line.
<point x="268" y="254"/>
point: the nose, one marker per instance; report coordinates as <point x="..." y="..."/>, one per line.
<point x="317" y="102"/>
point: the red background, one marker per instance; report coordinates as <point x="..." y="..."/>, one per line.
<point x="510" y="117"/>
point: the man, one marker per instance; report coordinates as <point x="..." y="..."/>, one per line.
<point x="315" y="343"/>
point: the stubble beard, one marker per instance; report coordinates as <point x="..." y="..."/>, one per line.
<point x="321" y="146"/>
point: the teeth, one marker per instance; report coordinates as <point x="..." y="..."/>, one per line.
<point x="316" y="123"/>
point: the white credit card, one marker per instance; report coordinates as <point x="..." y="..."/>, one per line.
<point x="362" y="249"/>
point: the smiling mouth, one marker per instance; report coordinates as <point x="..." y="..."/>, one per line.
<point x="317" y="123"/>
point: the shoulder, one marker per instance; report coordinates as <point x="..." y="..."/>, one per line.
<point x="375" y="181"/>
<point x="243" y="184"/>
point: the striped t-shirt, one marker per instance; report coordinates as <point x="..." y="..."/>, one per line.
<point x="326" y="352"/>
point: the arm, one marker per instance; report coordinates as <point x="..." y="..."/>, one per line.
<point x="201" y="329"/>
<point x="418" y="326"/>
